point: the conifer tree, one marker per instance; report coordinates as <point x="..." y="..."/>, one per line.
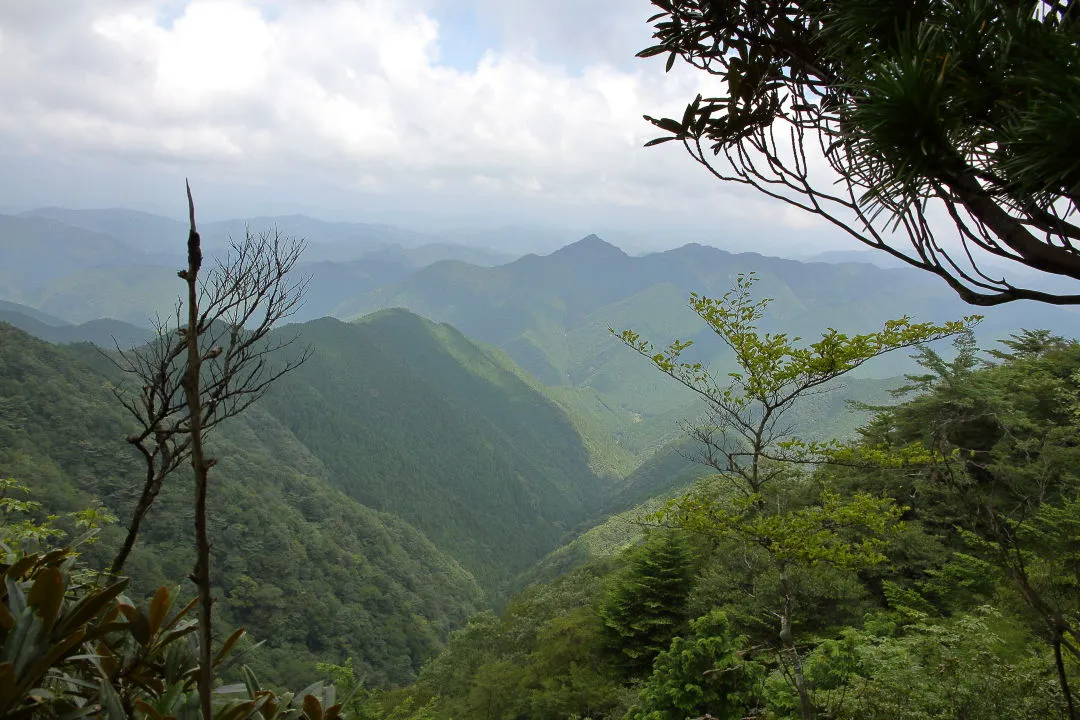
<point x="645" y="606"/>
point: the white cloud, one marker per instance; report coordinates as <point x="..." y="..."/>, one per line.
<point x="351" y="94"/>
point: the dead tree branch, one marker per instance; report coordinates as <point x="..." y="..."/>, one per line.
<point x="211" y="364"/>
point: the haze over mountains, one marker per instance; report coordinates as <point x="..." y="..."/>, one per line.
<point x="101" y="275"/>
<point x="464" y="416"/>
<point x="81" y="265"/>
<point x="549" y="313"/>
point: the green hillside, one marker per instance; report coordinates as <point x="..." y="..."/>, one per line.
<point x="674" y="468"/>
<point x="305" y="568"/>
<point x="713" y="610"/>
<point x="551" y="314"/>
<point x="413" y="418"/>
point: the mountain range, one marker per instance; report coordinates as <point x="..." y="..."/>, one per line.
<point x="466" y="422"/>
<point x="550" y="314"/>
<point x="84" y="265"/>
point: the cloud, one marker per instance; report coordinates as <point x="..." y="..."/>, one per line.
<point x="353" y="95"/>
<point x="570" y="33"/>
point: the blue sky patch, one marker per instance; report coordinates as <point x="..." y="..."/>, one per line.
<point x="464" y="38"/>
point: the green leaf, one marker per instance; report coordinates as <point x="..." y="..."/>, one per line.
<point x="159" y="609"/>
<point x="90" y="606"/>
<point x="228" y="645"/>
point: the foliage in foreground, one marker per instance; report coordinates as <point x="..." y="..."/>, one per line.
<point x="921" y="111"/>
<point x="73" y="645"/>
<point x="941" y="584"/>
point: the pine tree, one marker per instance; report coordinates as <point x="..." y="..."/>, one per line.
<point x="644" y="608"/>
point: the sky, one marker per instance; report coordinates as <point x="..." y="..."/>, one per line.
<point x="430" y="114"/>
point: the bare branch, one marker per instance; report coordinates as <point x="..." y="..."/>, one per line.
<point x="237" y="305"/>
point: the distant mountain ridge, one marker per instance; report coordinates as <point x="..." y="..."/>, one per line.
<point x="328" y="241"/>
<point x="84" y="265"/>
<point x="590" y="274"/>
<point x="13" y="309"/>
<point x="37" y="251"/>
<point x="105" y="333"/>
<point x="551" y="313"/>
<point x="139" y="230"/>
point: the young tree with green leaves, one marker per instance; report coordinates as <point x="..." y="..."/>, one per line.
<point x="786" y="544"/>
<point x="750" y="444"/>
<point x="746" y="435"/>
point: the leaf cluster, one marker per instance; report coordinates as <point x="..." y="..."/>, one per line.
<point x="747" y="422"/>
<point x="73" y="645"/>
<point x="963" y="108"/>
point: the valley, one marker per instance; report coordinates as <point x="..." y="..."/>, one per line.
<point x="473" y="360"/>
<point x="466" y="427"/>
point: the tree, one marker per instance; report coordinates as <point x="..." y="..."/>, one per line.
<point x="929" y="114"/>
<point x="213" y="364"/>
<point x="746" y="435"/>
<point x="645" y="605"/>
<point x="704" y="672"/>
<point x="750" y="444"/>
<point x="783" y="546"/>
<point x="1005" y="435"/>
<point x="957" y="667"/>
<point x="567" y="675"/>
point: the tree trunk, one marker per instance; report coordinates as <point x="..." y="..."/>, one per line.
<point x="806" y="705"/>
<point x="133" y="532"/>
<point x="1063" y="678"/>
<point x="200" y="466"/>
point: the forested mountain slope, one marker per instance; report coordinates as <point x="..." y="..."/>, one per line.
<point x="413" y="418"/>
<point x="551" y="313"/>
<point x="305" y="568"/>
<point x="400" y="414"/>
<point x="957" y="611"/>
<point x="396" y="413"/>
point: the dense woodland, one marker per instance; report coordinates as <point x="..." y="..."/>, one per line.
<point x="512" y="504"/>
<point x="954" y="608"/>
<point x="937" y="582"/>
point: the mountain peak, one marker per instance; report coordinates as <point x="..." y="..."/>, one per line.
<point x="591" y="246"/>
